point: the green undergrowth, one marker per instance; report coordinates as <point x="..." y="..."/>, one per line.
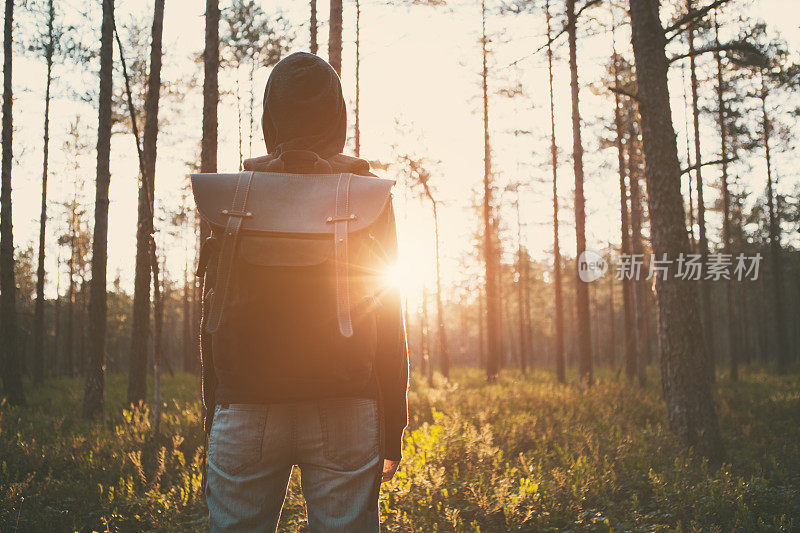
<point x="522" y="454"/>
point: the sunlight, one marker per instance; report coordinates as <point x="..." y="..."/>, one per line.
<point x="406" y="276"/>
<point x="400" y="278"/>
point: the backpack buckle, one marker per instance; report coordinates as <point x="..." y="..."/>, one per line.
<point x="333" y="220"/>
<point x="242" y="214"/>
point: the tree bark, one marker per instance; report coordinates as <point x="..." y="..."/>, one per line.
<point x="639" y="285"/>
<point x="335" y="36"/>
<point x="493" y="332"/>
<point x="733" y="341"/>
<point x="521" y="292"/>
<point x="93" y="399"/>
<point x="444" y="354"/>
<point x="38" y="328"/>
<point x="313" y="26"/>
<point x="188" y="360"/>
<point x="584" y="337"/>
<point x="782" y="357"/>
<point x="557" y="276"/>
<point x="10" y="356"/>
<point x="685" y="380"/>
<point x="208" y="146"/>
<point x="425" y="339"/>
<point x="631" y="336"/>
<point x="145" y="249"/>
<point x="705" y="288"/>
<point x="357" y="126"/>
<point x="71" y="291"/>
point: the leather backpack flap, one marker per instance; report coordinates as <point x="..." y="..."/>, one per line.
<point x="290" y="220"/>
<point x="293" y="204"/>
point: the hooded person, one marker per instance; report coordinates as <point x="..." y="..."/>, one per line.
<point x="305" y="115"/>
<point x="281" y="385"/>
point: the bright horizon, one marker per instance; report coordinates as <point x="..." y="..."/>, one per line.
<point x="419" y="66"/>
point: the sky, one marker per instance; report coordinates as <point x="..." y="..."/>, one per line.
<point x="420" y="94"/>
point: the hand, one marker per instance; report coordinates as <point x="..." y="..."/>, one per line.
<point x="389" y="469"/>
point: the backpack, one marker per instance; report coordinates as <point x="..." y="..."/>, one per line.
<point x="291" y="279"/>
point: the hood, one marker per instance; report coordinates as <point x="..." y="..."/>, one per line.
<point x="304" y="108"/>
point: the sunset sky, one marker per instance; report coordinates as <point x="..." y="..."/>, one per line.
<point x="420" y="67"/>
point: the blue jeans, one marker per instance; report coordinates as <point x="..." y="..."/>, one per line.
<point x="253" y="448"/>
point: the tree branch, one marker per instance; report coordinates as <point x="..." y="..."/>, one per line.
<point x="691" y="16"/>
<point x="708" y="163"/>
<point x="737" y="46"/>
<point x="553" y="39"/>
<point x="623" y="92"/>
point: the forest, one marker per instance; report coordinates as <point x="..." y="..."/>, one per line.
<point x="598" y="211"/>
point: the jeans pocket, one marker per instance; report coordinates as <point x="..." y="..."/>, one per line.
<point x="350" y="431"/>
<point x="236" y="437"/>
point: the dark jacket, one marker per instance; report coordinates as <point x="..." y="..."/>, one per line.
<point x="279" y="341"/>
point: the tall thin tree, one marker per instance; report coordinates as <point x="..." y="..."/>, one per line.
<point x="782" y="357"/>
<point x="726" y="206"/>
<point x="145" y="243"/>
<point x="93" y="398"/>
<point x="686" y="384"/>
<point x="313" y="27"/>
<point x="702" y="242"/>
<point x="584" y="337"/>
<point x="47" y="46"/>
<point x="629" y="311"/>
<point x="357" y="110"/>
<point x="335" y="36"/>
<point x="9" y="354"/>
<point x="557" y="275"/>
<point x="490" y="258"/>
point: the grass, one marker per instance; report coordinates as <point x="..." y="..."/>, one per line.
<point x="523" y="454"/>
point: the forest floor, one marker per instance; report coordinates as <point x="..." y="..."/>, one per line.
<point x="524" y="454"/>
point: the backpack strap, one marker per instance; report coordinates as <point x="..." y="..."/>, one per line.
<point x="340" y="220"/>
<point x="236" y="215"/>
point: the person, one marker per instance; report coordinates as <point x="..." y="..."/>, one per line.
<point x="274" y="401"/>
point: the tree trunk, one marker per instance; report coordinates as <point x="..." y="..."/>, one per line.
<point x="782" y="357"/>
<point x="188" y="360"/>
<point x="733" y="341"/>
<point x="521" y="290"/>
<point x="425" y="344"/>
<point x="208" y="146"/>
<point x="584" y="337"/>
<point x="145" y="249"/>
<point x="158" y="347"/>
<point x="357" y="127"/>
<point x="639" y="285"/>
<point x="481" y="328"/>
<point x="335" y="36"/>
<point x="688" y="158"/>
<point x="38" y="328"/>
<point x="705" y="288"/>
<point x="56" y="361"/>
<point x="313" y="26"/>
<point x="631" y="337"/>
<point x="493" y="333"/>
<point x="612" y="336"/>
<point x="444" y="354"/>
<point x="71" y="291"/>
<point x="10" y="357"/>
<point x="557" y="281"/>
<point x="93" y="398"/>
<point x="685" y="380"/>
